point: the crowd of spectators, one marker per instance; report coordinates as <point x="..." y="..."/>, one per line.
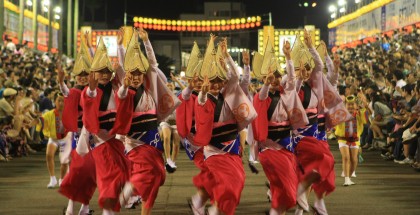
<point x="27" y="83"/>
<point x="384" y="75"/>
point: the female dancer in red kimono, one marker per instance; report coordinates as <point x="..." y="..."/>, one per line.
<point x="80" y="183"/>
<point x="99" y="105"/>
<point x="280" y="110"/>
<point x="223" y="108"/>
<point x="314" y="157"/>
<point x="185" y="122"/>
<point x="144" y="99"/>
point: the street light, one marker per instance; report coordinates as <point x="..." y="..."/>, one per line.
<point x="46" y="2"/>
<point x="314" y="4"/>
<point x="357" y="1"/>
<point x="342" y="2"/>
<point x="333" y="15"/>
<point x="342" y="10"/>
<point x="56" y="16"/>
<point x="57" y="9"/>
<point x="29" y="3"/>
<point x="332" y="8"/>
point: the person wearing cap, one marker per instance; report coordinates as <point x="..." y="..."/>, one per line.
<point x="280" y="110"/>
<point x="57" y="138"/>
<point x="318" y="97"/>
<point x="99" y="106"/>
<point x="348" y="134"/>
<point x="80" y="183"/>
<point x="8" y="104"/>
<point x="223" y="108"/>
<point x="144" y="100"/>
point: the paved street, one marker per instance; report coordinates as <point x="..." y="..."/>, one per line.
<point x="382" y="188"/>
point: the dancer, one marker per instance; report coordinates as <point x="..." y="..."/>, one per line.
<point x="185" y="121"/>
<point x="144" y="100"/>
<point x="80" y="183"/>
<point x="57" y="138"/>
<point x="99" y="111"/>
<point x="348" y="138"/>
<point x="279" y="110"/>
<point x="223" y="108"/>
<point x="317" y="97"/>
<point x="332" y="78"/>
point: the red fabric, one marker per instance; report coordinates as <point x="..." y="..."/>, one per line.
<point x="226" y="178"/>
<point x="260" y="124"/>
<point x="91" y="110"/>
<point x="326" y="186"/>
<point x="112" y="171"/>
<point x="124" y="114"/>
<point x="199" y="158"/>
<point x="80" y="183"/>
<point x="184" y="115"/>
<point x="147" y="172"/>
<point x="204" y="116"/>
<point x="313" y="154"/>
<point x="71" y="110"/>
<point x="57" y="125"/>
<point x="280" y="168"/>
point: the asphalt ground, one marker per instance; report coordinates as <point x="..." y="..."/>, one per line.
<point x="383" y="187"/>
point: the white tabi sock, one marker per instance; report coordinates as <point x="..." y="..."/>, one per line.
<point x="197" y="201"/>
<point x="107" y="212"/>
<point x="301" y="198"/>
<point x="319" y="204"/>
<point x="69" y="209"/>
<point x="84" y="209"/>
<point x="274" y="211"/>
<point x="299" y="211"/>
<point x="213" y="210"/>
<point x="53" y="179"/>
<point x="300" y="190"/>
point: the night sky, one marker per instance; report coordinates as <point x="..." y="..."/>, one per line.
<point x="285" y="13"/>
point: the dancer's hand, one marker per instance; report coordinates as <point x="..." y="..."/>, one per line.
<point x="93" y="81"/>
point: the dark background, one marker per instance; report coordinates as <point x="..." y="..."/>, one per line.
<point x="285" y="13"/>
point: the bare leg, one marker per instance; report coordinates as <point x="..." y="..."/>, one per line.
<point x="376" y="131"/>
<point x="406" y="150"/>
<point x="354" y="154"/>
<point x="166" y="132"/>
<point x="63" y="170"/>
<point x="345" y="158"/>
<point x="51" y="149"/>
<point x="175" y="145"/>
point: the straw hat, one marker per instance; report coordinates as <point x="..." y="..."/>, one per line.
<point x="101" y="60"/>
<point x="134" y="58"/>
<point x="195" y="62"/>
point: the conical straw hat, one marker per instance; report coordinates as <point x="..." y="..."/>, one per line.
<point x="134" y="58"/>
